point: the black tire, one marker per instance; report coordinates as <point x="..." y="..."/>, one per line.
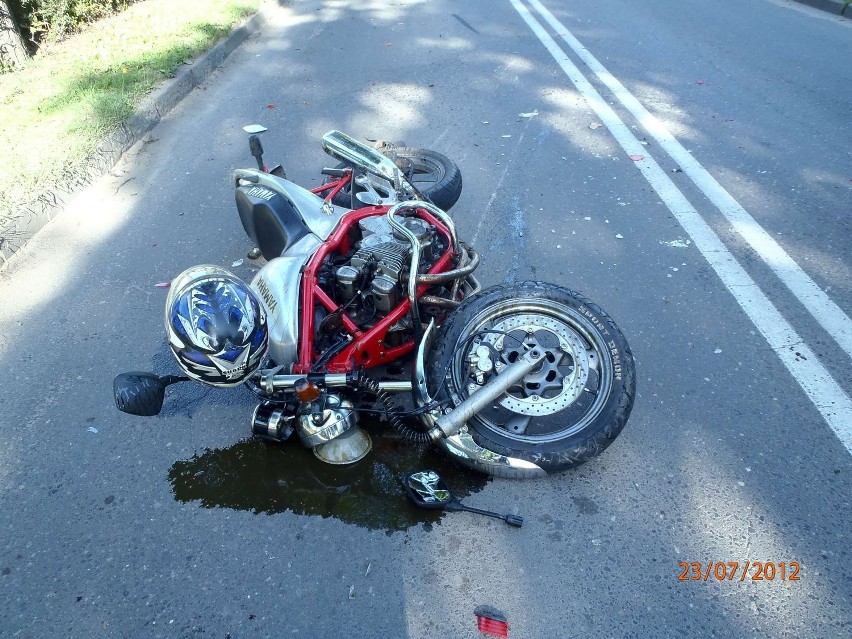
<point x="579" y="417"/>
<point x="434" y="174"/>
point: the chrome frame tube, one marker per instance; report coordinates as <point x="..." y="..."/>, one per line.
<point x="271" y="382"/>
<point x="415" y="244"/>
<point x="415" y="256"/>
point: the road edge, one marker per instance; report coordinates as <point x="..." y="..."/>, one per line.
<point x="32" y="217"/>
<point x="831" y="6"/>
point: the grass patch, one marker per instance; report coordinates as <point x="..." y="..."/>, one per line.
<point x="74" y="92"/>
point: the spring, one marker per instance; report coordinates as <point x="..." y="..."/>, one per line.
<point x="394" y="415"/>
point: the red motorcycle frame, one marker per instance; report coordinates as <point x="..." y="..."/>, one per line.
<point x="368" y="348"/>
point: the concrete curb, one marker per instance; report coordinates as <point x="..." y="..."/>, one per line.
<point x="832" y="6"/>
<point x="16" y="230"/>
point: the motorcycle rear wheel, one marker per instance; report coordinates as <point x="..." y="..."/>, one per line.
<point x="564" y="412"/>
<point x="434" y="174"/>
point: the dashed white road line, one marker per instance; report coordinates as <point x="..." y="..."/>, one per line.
<point x="820" y="387"/>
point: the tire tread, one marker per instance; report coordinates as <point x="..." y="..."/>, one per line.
<point x="584" y="445"/>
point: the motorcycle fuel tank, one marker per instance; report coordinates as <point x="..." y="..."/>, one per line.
<point x="277" y="285"/>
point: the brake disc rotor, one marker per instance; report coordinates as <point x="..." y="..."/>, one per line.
<point x="559" y="379"/>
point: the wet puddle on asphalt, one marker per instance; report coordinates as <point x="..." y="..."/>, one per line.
<point x="274" y="478"/>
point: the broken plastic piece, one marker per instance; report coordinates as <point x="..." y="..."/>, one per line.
<point x="491" y="621"/>
<point x="255" y="128"/>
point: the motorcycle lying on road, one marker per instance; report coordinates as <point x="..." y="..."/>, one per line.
<point x="518" y="380"/>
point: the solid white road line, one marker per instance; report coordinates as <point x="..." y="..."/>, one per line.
<point x="825" y="393"/>
<point x="815" y="300"/>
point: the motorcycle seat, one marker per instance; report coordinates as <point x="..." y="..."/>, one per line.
<point x="276" y="213"/>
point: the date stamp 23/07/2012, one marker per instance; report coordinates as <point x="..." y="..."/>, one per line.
<point x="739" y="571"/>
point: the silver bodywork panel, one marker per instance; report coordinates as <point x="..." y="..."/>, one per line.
<point x="278" y="285"/>
<point x="463" y="448"/>
<point x="349" y="150"/>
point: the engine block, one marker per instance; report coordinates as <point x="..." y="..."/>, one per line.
<point x="391" y="255"/>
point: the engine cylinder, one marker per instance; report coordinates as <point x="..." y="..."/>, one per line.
<point x="385" y="293"/>
<point x="347" y="279"/>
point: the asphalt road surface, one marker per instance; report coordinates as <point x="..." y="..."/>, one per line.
<point x="685" y="165"/>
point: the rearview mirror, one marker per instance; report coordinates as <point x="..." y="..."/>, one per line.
<point x="427" y="489"/>
<point x="140" y="393"/>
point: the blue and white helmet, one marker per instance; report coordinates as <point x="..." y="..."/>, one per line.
<point x="216" y="326"/>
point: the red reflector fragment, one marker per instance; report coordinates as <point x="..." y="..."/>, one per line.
<point x="491" y="627"/>
<point x="491" y="621"/>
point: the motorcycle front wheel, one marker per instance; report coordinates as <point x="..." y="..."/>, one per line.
<point x="565" y="411"/>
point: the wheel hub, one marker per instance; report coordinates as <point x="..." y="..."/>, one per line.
<point x="556" y="382"/>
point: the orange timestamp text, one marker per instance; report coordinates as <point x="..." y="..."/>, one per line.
<point x="739" y="571"/>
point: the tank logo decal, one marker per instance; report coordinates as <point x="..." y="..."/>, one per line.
<point x="266" y="294"/>
<point x="262" y="193"/>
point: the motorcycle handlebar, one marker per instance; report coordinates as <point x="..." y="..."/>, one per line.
<point x="271" y="382"/>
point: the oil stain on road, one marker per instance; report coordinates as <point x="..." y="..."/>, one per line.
<point x="274" y="478"/>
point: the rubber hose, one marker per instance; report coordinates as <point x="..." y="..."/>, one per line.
<point x="395" y="417"/>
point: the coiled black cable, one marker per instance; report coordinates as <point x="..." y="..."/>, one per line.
<point x="394" y="415"/>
